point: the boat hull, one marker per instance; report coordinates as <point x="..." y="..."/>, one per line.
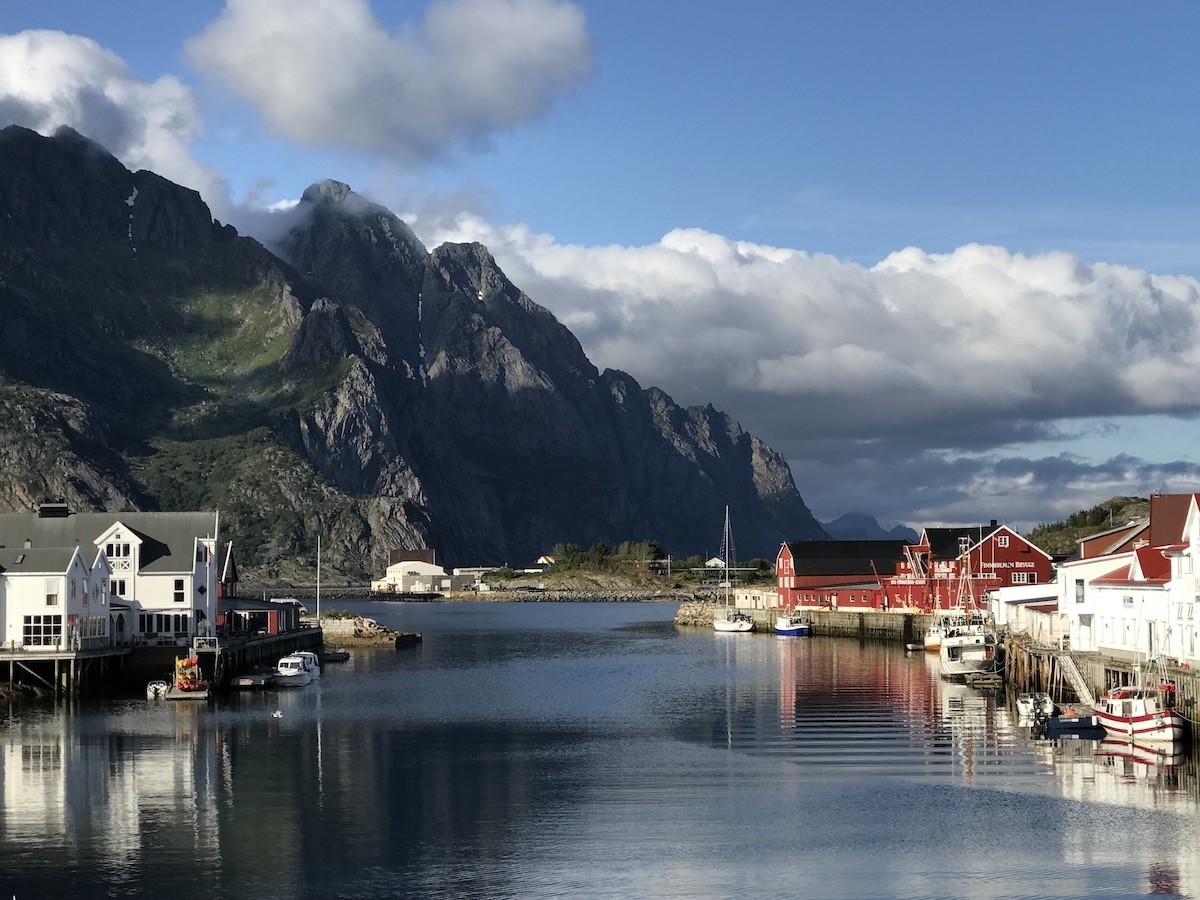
<point x="291" y="679"/>
<point x="1160" y="725"/>
<point x="733" y="625"/>
<point x="787" y="627"/>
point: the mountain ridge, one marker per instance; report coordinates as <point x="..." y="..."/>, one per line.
<point x="351" y="384"/>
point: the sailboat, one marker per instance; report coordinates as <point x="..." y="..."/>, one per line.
<point x="727" y="617"/>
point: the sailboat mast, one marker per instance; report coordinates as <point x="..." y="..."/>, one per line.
<point x="318" y="580"/>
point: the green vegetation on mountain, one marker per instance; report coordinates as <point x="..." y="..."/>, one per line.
<point x="1063" y="537"/>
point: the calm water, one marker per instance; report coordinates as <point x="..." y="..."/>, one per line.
<point x="586" y="750"/>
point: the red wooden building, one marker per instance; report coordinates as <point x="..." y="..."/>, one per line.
<point x="945" y="568"/>
<point x="835" y="574"/>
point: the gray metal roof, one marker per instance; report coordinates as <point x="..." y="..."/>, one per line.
<point x="168" y="537"/>
<point x="51" y="560"/>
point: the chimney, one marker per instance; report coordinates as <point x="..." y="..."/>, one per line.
<point x="53" y="509"/>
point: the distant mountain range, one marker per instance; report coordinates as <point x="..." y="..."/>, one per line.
<point x="352" y="385"/>
<point x="861" y="527"/>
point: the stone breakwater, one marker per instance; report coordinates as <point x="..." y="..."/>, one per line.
<point x="565" y="596"/>
<point x="698" y="613"/>
<point x="360" y="631"/>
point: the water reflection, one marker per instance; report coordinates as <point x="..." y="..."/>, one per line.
<point x="501" y="759"/>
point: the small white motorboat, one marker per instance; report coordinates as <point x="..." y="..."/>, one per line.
<point x="310" y="658"/>
<point x="1029" y="702"/>
<point x="292" y="671"/>
<point x="157" y="689"/>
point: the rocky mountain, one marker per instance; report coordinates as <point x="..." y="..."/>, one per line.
<point x="350" y="384"/>
<point x="861" y="527"/>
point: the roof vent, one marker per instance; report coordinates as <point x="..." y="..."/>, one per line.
<point x="53" y="509"/>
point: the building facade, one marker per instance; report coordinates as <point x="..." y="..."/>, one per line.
<point x="137" y="577"/>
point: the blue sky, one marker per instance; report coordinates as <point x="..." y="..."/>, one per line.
<point x="718" y="199"/>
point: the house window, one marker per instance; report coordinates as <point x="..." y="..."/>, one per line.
<point x="41" y="631"/>
<point x="1020" y="578"/>
<point x="1079" y="592"/>
<point x="51" y="592"/>
<point x="1002" y="540"/>
<point x="116" y="551"/>
<point x="117" y="587"/>
<point x="178" y="593"/>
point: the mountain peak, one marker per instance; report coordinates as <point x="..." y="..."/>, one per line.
<point x="328" y="190"/>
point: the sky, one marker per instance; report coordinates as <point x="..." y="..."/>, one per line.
<point x="943" y="257"/>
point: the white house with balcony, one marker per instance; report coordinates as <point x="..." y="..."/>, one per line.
<point x="162" y="572"/>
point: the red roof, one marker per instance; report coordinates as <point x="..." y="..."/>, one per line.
<point x="1155" y="569"/>
<point x="1155" y="566"/>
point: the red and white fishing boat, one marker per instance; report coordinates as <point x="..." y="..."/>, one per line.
<point x="1142" y="713"/>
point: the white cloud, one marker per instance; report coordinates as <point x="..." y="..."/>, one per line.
<point x="327" y="73"/>
<point x="920" y="338"/>
<point x="49" y="79"/>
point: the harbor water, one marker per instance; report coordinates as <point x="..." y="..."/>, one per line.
<point x="587" y="750"/>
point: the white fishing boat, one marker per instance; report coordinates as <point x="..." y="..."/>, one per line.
<point x="292" y="671"/>
<point x="1142" y="712"/>
<point x="727" y="617"/>
<point x="968" y="646"/>
<point x="793" y="625"/>
<point x="157" y="689"/>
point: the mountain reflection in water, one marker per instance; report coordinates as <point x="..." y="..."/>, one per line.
<point x="546" y="749"/>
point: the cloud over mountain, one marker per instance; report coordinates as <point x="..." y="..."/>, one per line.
<point x="869" y="377"/>
<point x="48" y="79"/>
<point x="328" y="73"/>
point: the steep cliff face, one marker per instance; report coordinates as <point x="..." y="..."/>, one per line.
<point x="360" y="387"/>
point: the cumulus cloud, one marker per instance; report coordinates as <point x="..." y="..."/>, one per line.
<point x="327" y="73"/>
<point x="48" y="79"/>
<point x="924" y="366"/>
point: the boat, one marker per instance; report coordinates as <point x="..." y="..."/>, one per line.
<point x="968" y="652"/>
<point x="793" y="625"/>
<point x="157" y="689"/>
<point x="311" y="660"/>
<point x="1028" y="702"/>
<point x="1143" y="712"/>
<point x="335" y="656"/>
<point x="968" y="645"/>
<point x="1074" y="724"/>
<point x="728" y="618"/>
<point x="292" y="671"/>
<point x="254" y="680"/>
<point x="189" y="683"/>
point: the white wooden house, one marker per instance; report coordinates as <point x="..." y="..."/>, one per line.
<point x="51" y="599"/>
<point x="159" y="574"/>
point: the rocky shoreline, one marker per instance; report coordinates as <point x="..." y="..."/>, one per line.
<point x="696" y="613"/>
<point x="360" y="631"/>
